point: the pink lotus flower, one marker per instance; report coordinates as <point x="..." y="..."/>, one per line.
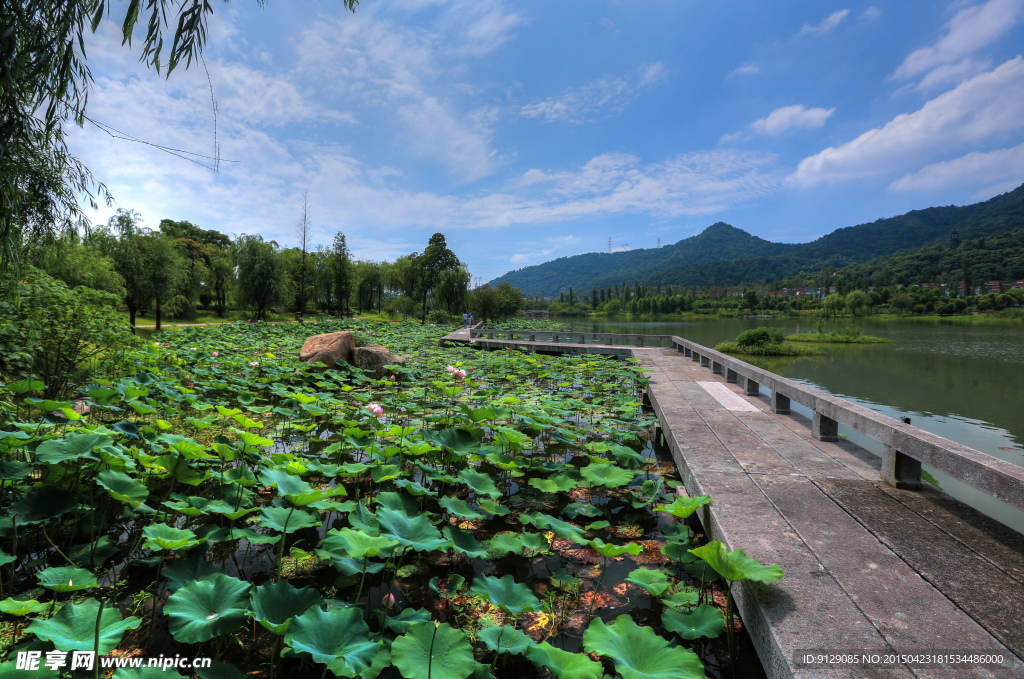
<point x="392" y="378"/>
<point x="459" y="374"/>
<point x="389" y="601"/>
<point x="253" y="364"/>
<point x="216" y="353"/>
<point x="156" y="343"/>
<point x="375" y="409"/>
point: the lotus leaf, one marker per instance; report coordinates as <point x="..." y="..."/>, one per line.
<point x="432" y="651"/>
<point x="493" y="508"/>
<point x="503" y="543"/>
<point x="401" y="623"/>
<point x="505" y="639"/>
<point x="561" y="528"/>
<point x="93" y="554"/>
<point x="287" y="519"/>
<point x="464" y="542"/>
<point x="122" y="487"/>
<point x="41" y="505"/>
<point x="73" y="628"/>
<point x="417" y="532"/>
<point x="563" y="664"/>
<point x="480" y="483"/>
<point x="655" y="582"/>
<point x="687" y="598"/>
<point x="553" y="484"/>
<point x="274" y="604"/>
<point x="507" y="594"/>
<point x="607" y="475"/>
<point x="736" y="565"/>
<point x="399" y="502"/>
<point x="20" y="607"/>
<point x="67" y="579"/>
<point x="703" y="621"/>
<point x="335" y="635"/>
<point x="71" y="447"/>
<point x="207" y="608"/>
<point x="459" y="508"/>
<point x="180" y="572"/>
<point x="160" y="536"/>
<point x="639" y="653"/>
<point x="609" y="551"/>
<point x="683" y="506"/>
<point x="355" y="544"/>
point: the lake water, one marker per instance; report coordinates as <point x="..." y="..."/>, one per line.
<point x="964" y="382"/>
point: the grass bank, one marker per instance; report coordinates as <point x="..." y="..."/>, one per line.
<point x="835" y="338"/>
<point x="769" y="349"/>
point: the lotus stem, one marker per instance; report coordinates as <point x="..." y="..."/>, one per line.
<point x="43" y="526"/>
<point x="96" y="642"/>
<point x="430" y="653"/>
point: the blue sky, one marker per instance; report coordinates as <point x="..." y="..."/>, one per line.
<point x="534" y="130"/>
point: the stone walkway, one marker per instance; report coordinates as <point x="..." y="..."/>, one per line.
<point x="868" y="567"/>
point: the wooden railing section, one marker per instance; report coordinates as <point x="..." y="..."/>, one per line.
<point x="905" y="447"/>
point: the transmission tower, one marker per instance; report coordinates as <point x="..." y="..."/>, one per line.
<point x="609" y="246"/>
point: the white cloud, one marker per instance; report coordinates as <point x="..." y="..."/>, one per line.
<point x="409" y="74"/>
<point x="985" y="106"/>
<point x="871" y="13"/>
<point x="604" y="97"/>
<point x="826" y="24"/>
<point x="542" y="254"/>
<point x="970" y="30"/>
<point x="1001" y="167"/>
<point x="791" y="117"/>
<point x="433" y="125"/>
<point x="746" y="69"/>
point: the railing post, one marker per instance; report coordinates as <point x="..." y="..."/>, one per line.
<point x="533" y="337"/>
<point x="752" y="388"/>
<point x="639" y="341"/>
<point x="687" y="352"/>
<point x="824" y="428"/>
<point x="705" y="362"/>
<point x="716" y="368"/>
<point x="554" y="339"/>
<point x="731" y="376"/>
<point x="780" y="403"/>
<point x="899" y="470"/>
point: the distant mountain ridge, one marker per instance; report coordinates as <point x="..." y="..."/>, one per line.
<point x="724" y="254"/>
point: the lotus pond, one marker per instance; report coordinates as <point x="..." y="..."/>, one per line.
<point x="466" y="514"/>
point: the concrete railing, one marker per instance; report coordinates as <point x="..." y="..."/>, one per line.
<point x="611" y="339"/>
<point x="905" y="447"/>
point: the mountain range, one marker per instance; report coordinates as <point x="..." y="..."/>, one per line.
<point x="725" y="255"/>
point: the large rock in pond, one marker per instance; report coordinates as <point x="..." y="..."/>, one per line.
<point x="374" y="357"/>
<point x="329" y="349"/>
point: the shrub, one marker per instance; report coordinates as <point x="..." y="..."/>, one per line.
<point x="439" y="317"/>
<point x="59" y="333"/>
<point x="760" y="336"/>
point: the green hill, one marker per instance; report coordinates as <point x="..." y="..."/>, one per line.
<point x="724" y="254"/>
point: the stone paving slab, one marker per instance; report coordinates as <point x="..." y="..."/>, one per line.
<point x="988" y="594"/>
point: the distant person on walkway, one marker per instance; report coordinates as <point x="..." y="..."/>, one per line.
<point x="470" y="319"/>
<point x="465" y="320"/>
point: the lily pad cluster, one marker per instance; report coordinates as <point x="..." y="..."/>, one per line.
<point x="282" y="517"/>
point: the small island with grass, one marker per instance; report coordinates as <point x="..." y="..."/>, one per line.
<point x="844" y="336"/>
<point x="766" y="342"/>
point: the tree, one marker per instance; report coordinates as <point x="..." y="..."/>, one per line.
<point x="304" y="232"/>
<point x="901" y="302"/>
<point x="832" y="304"/>
<point x="509" y="300"/>
<point x="483" y="302"/>
<point x="436" y="258"/>
<point x="343" y="272"/>
<point x="44" y="81"/>
<point x="855" y="301"/>
<point x="262" y="278"/>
